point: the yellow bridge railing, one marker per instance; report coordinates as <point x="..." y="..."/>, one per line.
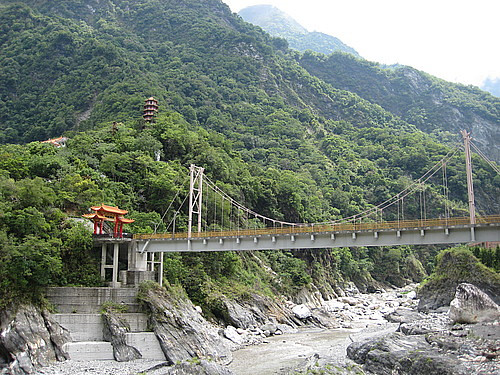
<point x="338" y="227"/>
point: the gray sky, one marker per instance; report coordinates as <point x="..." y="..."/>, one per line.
<point x="457" y="40"/>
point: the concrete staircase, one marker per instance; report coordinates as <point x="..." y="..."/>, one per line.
<point x="79" y="314"/>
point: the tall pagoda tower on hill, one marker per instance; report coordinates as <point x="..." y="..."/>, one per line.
<point x="150" y="109"/>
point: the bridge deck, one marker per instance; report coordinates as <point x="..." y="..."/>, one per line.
<point x="410" y="232"/>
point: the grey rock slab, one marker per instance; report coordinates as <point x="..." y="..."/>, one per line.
<point x="182" y="331"/>
<point x="400" y="354"/>
<point x="115" y="330"/>
<point x="29" y="340"/>
<point x="471" y="305"/>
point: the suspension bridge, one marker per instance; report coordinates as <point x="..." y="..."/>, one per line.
<point x="217" y="222"/>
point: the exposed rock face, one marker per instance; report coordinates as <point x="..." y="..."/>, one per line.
<point x="400" y="354"/>
<point x="181" y="330"/>
<point x="29" y="339"/>
<point x="471" y="305"/>
<point x="115" y="329"/>
<point x="256" y="312"/>
<point x="302" y="311"/>
<point x="454" y="267"/>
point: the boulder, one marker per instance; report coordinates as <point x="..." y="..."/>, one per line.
<point x="351" y="301"/>
<point x="232" y="334"/>
<point x="181" y="330"/>
<point x="302" y="311"/>
<point x="29" y="339"/>
<point x="411" y="295"/>
<point x="403" y="355"/>
<point x="114" y="331"/>
<point x="456" y="266"/>
<point x="255" y="311"/>
<point x="285" y="328"/>
<point x="403" y="315"/>
<point x="271" y="327"/>
<point x="471" y="305"/>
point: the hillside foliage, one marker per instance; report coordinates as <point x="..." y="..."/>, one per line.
<point x="234" y="100"/>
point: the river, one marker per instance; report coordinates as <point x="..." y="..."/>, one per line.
<point x="282" y="354"/>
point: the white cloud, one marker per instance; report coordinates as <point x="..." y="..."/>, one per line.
<point x="455" y="40"/>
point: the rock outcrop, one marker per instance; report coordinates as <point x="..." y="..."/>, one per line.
<point x="182" y="331"/>
<point x="431" y="344"/>
<point x="471" y="305"/>
<point x="115" y="329"/>
<point x="29" y="339"/>
<point x="400" y="354"/>
<point x="257" y="311"/>
<point x="456" y="266"/>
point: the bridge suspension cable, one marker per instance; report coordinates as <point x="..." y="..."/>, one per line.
<point x="216" y="210"/>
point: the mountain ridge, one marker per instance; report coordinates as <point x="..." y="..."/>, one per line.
<point x="279" y="24"/>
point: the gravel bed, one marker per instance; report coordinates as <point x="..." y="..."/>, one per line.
<point x="103" y="367"/>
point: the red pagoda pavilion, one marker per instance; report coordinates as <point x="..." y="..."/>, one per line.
<point x="108" y="213"/>
<point x="150" y="109"/>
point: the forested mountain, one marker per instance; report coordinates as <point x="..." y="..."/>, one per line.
<point x="281" y="138"/>
<point x="431" y="104"/>
<point x="279" y="24"/>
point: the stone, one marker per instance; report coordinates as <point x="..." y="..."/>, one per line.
<point x="471" y="305"/>
<point x="183" y="333"/>
<point x="114" y="331"/>
<point x="232" y="334"/>
<point x="454" y="267"/>
<point x="402" y="315"/>
<point x="285" y="329"/>
<point x="351" y="301"/>
<point x="404" y="355"/>
<point x="302" y="311"/>
<point x="411" y="295"/>
<point x="271" y="327"/>
<point x="29" y="339"/>
<point x="334" y="305"/>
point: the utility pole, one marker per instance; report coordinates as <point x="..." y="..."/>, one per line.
<point x="468" y="167"/>
<point x="195" y="196"/>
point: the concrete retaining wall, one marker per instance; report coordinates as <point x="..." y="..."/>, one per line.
<point x="147" y="344"/>
<point x="90" y="300"/>
<point x="89" y="327"/>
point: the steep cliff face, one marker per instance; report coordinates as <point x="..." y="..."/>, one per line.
<point x="182" y="331"/>
<point x="29" y="338"/>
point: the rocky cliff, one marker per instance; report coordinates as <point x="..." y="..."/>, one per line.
<point x="29" y="338"/>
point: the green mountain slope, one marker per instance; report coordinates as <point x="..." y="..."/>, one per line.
<point x="232" y="99"/>
<point x="98" y="64"/>
<point x="429" y="103"/>
<point x="279" y="24"/>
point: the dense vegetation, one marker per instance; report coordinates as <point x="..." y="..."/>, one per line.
<point x="431" y="104"/>
<point x="233" y="100"/>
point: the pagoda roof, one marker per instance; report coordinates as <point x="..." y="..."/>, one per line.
<point x="109" y="210"/>
<point x="96" y="216"/>
<point x="125" y="221"/>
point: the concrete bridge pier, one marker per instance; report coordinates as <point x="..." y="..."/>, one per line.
<point x="123" y="265"/>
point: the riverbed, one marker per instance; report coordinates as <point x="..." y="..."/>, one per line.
<point x="285" y="353"/>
